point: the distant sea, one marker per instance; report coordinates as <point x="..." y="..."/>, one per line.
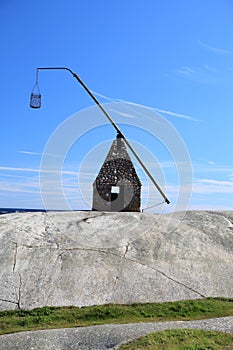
<point x="22" y="210"/>
<point x="19" y="210"/>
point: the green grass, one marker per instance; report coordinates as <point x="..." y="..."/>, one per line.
<point x="182" y="339"/>
<point x="64" y="317"/>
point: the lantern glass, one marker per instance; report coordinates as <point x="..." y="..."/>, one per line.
<point x="35" y="100"/>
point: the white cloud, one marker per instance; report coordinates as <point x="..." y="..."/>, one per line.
<point x="178" y="115"/>
<point x="205" y="186"/>
<point x="127" y="115"/>
<point x="105" y="97"/>
<point x="212" y="167"/>
<point x="36" y="170"/>
<point x="214" y="49"/>
<point x="187" y="71"/>
<point x="174" y="114"/>
<point x="206" y="74"/>
<point x="28" y="186"/>
<point x="30" y="153"/>
<point x="39" y="154"/>
<point x="20" y="169"/>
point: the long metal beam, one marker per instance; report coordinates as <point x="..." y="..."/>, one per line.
<point x="114" y="125"/>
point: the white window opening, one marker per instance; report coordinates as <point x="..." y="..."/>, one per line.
<point x="115" y="189"/>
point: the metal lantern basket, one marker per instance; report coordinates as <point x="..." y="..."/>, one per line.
<point x="35" y="100"/>
<point x="35" y="97"/>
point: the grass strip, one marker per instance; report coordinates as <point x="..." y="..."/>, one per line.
<point x="65" y="317"/>
<point x="182" y="339"/>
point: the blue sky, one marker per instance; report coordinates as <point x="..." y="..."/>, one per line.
<point x="175" y="57"/>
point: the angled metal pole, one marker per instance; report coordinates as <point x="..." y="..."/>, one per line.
<point x="113" y="124"/>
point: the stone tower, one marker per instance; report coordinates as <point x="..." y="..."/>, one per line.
<point x="117" y="187"/>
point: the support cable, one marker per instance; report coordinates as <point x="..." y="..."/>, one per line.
<point x="154" y="205"/>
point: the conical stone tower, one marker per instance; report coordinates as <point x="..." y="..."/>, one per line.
<point x="117" y="186"/>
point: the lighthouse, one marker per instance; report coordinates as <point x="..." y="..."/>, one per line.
<point x="117" y="186"/>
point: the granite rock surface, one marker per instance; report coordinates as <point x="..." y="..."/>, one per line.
<point x="85" y="258"/>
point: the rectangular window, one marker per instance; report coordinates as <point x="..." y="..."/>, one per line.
<point x="115" y="189"/>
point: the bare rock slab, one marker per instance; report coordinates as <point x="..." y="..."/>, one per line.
<point x="87" y="258"/>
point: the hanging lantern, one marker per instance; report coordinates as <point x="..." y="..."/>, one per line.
<point x="35" y="98"/>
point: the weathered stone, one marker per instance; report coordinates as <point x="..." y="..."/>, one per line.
<point x="86" y="258"/>
<point x="117" y="172"/>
